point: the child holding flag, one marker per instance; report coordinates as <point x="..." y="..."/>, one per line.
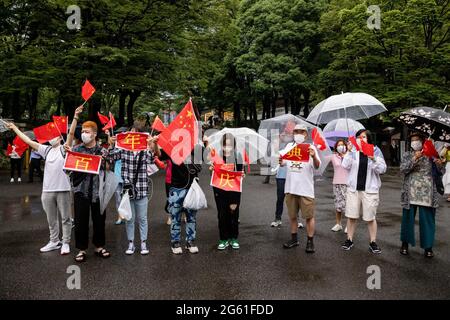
<point x="299" y="188"/>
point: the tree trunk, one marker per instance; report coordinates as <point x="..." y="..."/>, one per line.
<point x="286" y="101"/>
<point x="237" y="113"/>
<point x="16" y="106"/>
<point x="134" y="94"/>
<point x="274" y="103"/>
<point x="306" y="96"/>
<point x="33" y="103"/>
<point x="122" y="99"/>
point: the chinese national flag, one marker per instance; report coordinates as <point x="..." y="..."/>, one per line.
<point x="103" y="119"/>
<point x="87" y="90"/>
<point x="429" y="150"/>
<point x="82" y="162"/>
<point x="298" y="153"/>
<point x="20" y="146"/>
<point x="318" y="140"/>
<point x="227" y="180"/>
<point x="158" y="125"/>
<point x="132" y="141"/>
<point x="180" y="137"/>
<point x="367" y="148"/>
<point x="61" y="123"/>
<point x="111" y="123"/>
<point x="352" y="139"/>
<point x="46" y="132"/>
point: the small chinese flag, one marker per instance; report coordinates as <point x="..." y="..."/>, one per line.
<point x="318" y="140"/>
<point x="82" y="162"/>
<point x="111" y="123"/>
<point x="61" y="123"/>
<point x="367" y="148"/>
<point x="103" y="119"/>
<point x="179" y="138"/>
<point x="227" y="180"/>
<point x="87" y="90"/>
<point x="132" y="141"/>
<point x="352" y="139"/>
<point x="429" y="150"/>
<point x="20" y="147"/>
<point x="158" y="125"/>
<point x="246" y="160"/>
<point x="46" y="132"/>
<point x="297" y="153"/>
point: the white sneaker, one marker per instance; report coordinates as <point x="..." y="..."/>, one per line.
<point x="191" y="247"/>
<point x="276" y="223"/>
<point x="51" y="246"/>
<point x="176" y="248"/>
<point x="336" y="228"/>
<point x="144" y="249"/>
<point x="19" y="180"/>
<point x="131" y="249"/>
<point x="300" y="225"/>
<point x="12" y="180"/>
<point x="65" y="249"/>
<point x="345" y="230"/>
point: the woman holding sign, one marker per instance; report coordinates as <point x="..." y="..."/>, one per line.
<point x="366" y="164"/>
<point x="226" y="180"/>
<point x="85" y="186"/>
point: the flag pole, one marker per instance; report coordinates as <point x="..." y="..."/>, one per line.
<point x="59" y="132"/>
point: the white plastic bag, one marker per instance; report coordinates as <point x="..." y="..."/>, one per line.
<point x="195" y="198"/>
<point x="125" y="207"/>
<point x="152" y="169"/>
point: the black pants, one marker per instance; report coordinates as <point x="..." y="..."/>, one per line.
<point x="16" y="164"/>
<point x="280" y="198"/>
<point x="166" y="207"/>
<point x="228" y="219"/>
<point x="84" y="207"/>
<point x="35" y="164"/>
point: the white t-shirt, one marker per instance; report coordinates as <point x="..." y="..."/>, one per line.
<point x="55" y="179"/>
<point x="300" y="176"/>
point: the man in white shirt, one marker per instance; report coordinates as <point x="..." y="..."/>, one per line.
<point x="363" y="190"/>
<point x="299" y="189"/>
<point x="55" y="191"/>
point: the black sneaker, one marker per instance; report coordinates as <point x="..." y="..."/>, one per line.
<point x="374" y="248"/>
<point x="310" y="246"/>
<point x="347" y="245"/>
<point x="290" y="244"/>
<point x="404" y="249"/>
<point x="429" y="253"/>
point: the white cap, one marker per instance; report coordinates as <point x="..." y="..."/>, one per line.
<point x="300" y="126"/>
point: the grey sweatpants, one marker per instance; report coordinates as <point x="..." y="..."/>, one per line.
<point x="52" y="202"/>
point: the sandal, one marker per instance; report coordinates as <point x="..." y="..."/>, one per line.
<point x="103" y="253"/>
<point x="80" y="257"/>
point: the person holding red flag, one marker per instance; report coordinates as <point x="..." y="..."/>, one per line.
<point x="299" y="188"/>
<point x="363" y="188"/>
<point x="227" y="202"/>
<point x="55" y="191"/>
<point x="419" y="193"/>
<point x="86" y="192"/>
<point x="15" y="152"/>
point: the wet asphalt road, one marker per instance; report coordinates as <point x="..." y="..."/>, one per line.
<point x="261" y="269"/>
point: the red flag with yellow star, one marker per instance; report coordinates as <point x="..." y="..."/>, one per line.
<point x="179" y="138"/>
<point x="87" y="90"/>
<point x="61" y="123"/>
<point x="46" y="132"/>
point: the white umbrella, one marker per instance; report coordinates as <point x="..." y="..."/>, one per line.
<point x="346" y="105"/>
<point x="341" y="128"/>
<point x="246" y="139"/>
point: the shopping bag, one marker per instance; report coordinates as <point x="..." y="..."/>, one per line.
<point x="125" y="207"/>
<point x="195" y="198"/>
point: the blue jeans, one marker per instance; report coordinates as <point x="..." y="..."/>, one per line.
<point x="139" y="210"/>
<point x="280" y="198"/>
<point x="176" y="198"/>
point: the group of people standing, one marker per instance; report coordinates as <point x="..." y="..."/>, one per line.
<point x="356" y="187"/>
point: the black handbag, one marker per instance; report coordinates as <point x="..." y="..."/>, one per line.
<point x="131" y="187"/>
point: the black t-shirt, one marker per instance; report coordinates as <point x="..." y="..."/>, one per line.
<point x="182" y="175"/>
<point x="362" y="172"/>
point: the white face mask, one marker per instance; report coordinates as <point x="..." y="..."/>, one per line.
<point x="86" y="137"/>
<point x="416" y="145"/>
<point x="341" y="149"/>
<point x="299" y="138"/>
<point x="54" y="141"/>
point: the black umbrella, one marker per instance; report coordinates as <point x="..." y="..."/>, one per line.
<point x="433" y="122"/>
